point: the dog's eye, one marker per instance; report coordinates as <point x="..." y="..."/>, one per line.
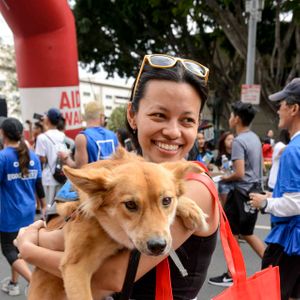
<point x="166" y="201"/>
<point x="131" y="205"/>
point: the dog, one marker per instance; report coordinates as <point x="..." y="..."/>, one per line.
<point x="125" y="202"/>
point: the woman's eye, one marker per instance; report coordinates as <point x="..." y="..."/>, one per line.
<point x="189" y="121"/>
<point x="158" y="115"/>
<point x="166" y="201"/>
<point x="131" y="205"/>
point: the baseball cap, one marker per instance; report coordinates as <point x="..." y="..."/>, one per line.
<point x="54" y="115"/>
<point x="291" y="89"/>
<point x="12" y="128"/>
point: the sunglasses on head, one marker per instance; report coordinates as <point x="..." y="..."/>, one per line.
<point x="163" y="61"/>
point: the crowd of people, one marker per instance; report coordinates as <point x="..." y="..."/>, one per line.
<point x="162" y="122"/>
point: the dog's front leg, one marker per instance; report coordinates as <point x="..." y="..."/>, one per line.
<point x="84" y="253"/>
<point x="191" y="214"/>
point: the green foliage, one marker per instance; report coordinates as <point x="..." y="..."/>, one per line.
<point x="117" y="118"/>
<point x="116" y="34"/>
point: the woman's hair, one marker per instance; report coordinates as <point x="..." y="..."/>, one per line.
<point x="13" y="130"/>
<point x="221" y="143"/>
<point x="175" y="74"/>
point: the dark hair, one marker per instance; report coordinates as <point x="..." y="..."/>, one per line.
<point x="284" y="136"/>
<point x="292" y="99"/>
<point x="245" y="111"/>
<point x="39" y="125"/>
<point x="13" y="130"/>
<point x="221" y="142"/>
<point x="122" y="135"/>
<point x="176" y="74"/>
<point x="61" y="124"/>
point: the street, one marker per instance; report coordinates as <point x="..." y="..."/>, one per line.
<point x="216" y="268"/>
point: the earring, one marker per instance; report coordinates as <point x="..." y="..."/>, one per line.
<point x="134" y="131"/>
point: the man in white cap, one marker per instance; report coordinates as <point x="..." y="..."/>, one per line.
<point x="284" y="204"/>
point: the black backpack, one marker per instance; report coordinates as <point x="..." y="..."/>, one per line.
<point x="58" y="173"/>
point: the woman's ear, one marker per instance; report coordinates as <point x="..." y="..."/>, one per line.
<point x="131" y="115"/>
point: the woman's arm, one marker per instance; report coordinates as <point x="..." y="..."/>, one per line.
<point x="41" y="248"/>
<point x="111" y="274"/>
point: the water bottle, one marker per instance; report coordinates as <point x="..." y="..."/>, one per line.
<point x="225" y="164"/>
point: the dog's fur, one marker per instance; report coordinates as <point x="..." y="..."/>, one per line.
<point x="125" y="202"/>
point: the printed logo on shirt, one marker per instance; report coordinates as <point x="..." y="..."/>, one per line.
<point x="105" y="149"/>
<point x="32" y="174"/>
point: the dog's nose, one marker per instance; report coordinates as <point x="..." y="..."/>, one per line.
<point x="156" y="246"/>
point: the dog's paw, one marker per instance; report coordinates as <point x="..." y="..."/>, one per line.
<point x="191" y="214"/>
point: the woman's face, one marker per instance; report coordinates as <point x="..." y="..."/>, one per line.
<point x="228" y="142"/>
<point x="201" y="140"/>
<point x="167" y="120"/>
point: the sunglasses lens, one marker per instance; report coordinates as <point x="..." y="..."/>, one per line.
<point x="161" y="61"/>
<point x="195" y="68"/>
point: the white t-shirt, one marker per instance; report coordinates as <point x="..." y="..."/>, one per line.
<point x="46" y="148"/>
<point x="275" y="164"/>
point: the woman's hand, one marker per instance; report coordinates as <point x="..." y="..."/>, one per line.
<point x="28" y="236"/>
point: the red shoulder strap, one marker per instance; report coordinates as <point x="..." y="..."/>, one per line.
<point x="232" y="251"/>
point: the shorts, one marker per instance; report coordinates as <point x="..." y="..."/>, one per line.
<point x="289" y="269"/>
<point x="241" y="216"/>
<point x="225" y="187"/>
<point x="8" y="248"/>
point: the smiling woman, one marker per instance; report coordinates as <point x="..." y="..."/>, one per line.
<point x="162" y="118"/>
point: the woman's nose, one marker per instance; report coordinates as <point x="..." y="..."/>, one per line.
<point x="171" y="130"/>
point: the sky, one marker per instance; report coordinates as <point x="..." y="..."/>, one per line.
<point x="7" y="37"/>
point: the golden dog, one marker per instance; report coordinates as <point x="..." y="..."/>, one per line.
<point x="125" y="202"/>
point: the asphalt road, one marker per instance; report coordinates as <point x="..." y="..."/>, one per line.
<point x="217" y="266"/>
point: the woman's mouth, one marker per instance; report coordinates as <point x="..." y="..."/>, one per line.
<point x="167" y="147"/>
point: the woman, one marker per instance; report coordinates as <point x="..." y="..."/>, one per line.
<point x="162" y="117"/>
<point x="20" y="172"/>
<point x="225" y="145"/>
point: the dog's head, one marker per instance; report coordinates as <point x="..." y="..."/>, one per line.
<point x="135" y="202"/>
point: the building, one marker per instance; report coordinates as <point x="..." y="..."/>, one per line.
<point x="108" y="92"/>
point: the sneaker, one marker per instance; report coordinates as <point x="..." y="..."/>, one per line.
<point x="7" y="286"/>
<point x="223" y="280"/>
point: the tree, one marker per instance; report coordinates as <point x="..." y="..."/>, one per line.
<point x="117" y="118"/>
<point x="8" y="85"/>
<point x="116" y="34"/>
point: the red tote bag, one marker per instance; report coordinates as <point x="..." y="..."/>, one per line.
<point x="263" y="285"/>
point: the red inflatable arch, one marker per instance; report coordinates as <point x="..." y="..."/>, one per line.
<point x="46" y="57"/>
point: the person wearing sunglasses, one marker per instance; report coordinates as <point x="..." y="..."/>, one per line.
<point x="162" y="118"/>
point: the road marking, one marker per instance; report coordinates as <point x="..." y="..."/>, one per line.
<point x="263" y="227"/>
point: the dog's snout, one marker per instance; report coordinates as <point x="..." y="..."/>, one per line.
<point x="156" y="246"/>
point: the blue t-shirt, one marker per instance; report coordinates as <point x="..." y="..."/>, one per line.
<point x="101" y="143"/>
<point x="287" y="230"/>
<point x="17" y="193"/>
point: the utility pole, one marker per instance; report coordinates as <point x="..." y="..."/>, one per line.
<point x="254" y="8"/>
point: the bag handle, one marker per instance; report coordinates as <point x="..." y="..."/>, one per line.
<point x="232" y="252"/>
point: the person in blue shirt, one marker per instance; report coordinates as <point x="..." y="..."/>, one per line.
<point x="95" y="142"/>
<point x="20" y="171"/>
<point x="284" y="204"/>
<point x="92" y="144"/>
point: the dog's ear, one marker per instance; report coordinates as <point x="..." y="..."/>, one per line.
<point x="120" y="154"/>
<point x="180" y="169"/>
<point x="89" y="180"/>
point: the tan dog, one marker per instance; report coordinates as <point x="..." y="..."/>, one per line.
<point x="125" y="202"/>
